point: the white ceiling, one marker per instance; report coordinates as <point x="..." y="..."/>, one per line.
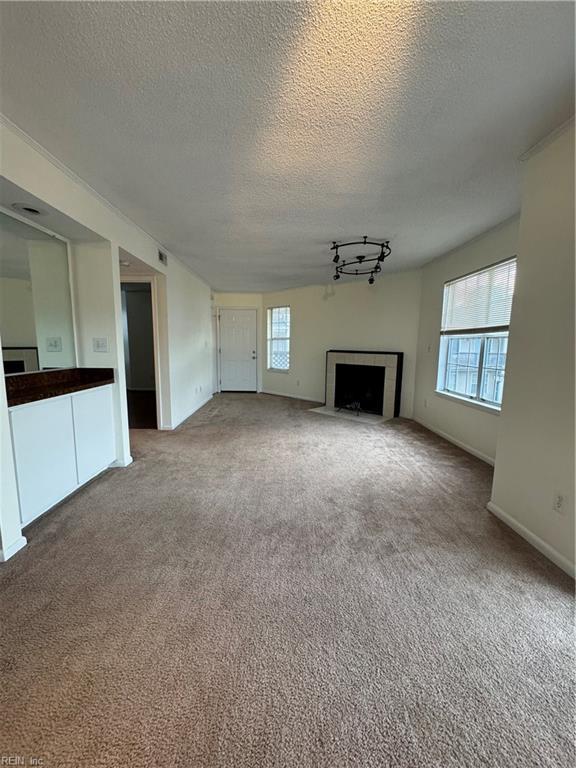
<point x="247" y="136"/>
<point x="50" y="218"/>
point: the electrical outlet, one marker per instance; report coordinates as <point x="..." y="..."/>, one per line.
<point x="425" y="403"/>
<point x="559" y="503"/>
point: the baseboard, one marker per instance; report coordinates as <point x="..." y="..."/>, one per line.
<point x="193" y="411"/>
<point x="6" y="554"/>
<point x="122" y="462"/>
<point x="459" y="443"/>
<point x="531" y="538"/>
<point x="292" y="397"/>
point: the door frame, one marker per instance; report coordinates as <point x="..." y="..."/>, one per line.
<point x="220" y="307"/>
<point x="152" y="280"/>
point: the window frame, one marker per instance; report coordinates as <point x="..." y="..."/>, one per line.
<point x="483" y="333"/>
<point x="269" y="338"/>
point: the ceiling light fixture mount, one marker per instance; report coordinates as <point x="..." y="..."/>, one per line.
<point x="364" y="264"/>
<point x="28" y="210"/>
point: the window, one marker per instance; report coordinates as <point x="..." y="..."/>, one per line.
<point x="474" y="333"/>
<point x="279" y="338"/>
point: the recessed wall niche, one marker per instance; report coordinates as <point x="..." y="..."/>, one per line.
<point x="36" y="325"/>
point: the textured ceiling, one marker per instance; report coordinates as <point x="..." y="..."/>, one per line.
<point x="247" y="136"/>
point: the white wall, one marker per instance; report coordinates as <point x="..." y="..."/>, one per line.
<point x="471" y="426"/>
<point x="97" y="306"/>
<point x="11" y="539"/>
<point x="16" y="313"/>
<point x="535" y="452"/>
<point x="52" y="302"/>
<point x="383" y="316"/>
<point x="190" y="342"/>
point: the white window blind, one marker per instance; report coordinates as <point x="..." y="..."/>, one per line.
<point x="481" y="300"/>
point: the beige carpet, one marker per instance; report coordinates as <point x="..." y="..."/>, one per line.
<point x="267" y="587"/>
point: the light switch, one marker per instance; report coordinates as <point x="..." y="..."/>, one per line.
<point x="100" y="344"/>
<point x="54" y="344"/>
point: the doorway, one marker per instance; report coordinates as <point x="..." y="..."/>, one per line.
<point x="139" y="355"/>
<point x="238" y="350"/>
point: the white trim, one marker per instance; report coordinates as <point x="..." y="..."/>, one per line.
<point x="292" y="397"/>
<point x="486" y="407"/>
<point x="531" y="538"/>
<point x="120" y="463"/>
<point x="73" y="300"/>
<point x="459" y="443"/>
<point x="545" y="140"/>
<point x="6" y="554"/>
<point x="268" y="339"/>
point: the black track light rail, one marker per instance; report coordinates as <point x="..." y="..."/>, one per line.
<point x="360" y="265"/>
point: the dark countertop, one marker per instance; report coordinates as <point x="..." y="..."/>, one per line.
<point x="24" y="388"/>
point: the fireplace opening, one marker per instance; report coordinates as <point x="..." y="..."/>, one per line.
<point x="359" y="388"/>
<point x="14" y="366"/>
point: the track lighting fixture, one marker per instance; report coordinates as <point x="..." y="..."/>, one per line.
<point x="363" y="264"/>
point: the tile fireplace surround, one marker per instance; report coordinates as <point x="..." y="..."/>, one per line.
<point x="391" y="361"/>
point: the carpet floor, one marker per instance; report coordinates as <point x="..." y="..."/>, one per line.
<point x="269" y="587"/>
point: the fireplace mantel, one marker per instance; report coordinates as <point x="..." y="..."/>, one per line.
<point x="391" y="361"/>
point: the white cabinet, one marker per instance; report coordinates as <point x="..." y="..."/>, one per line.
<point x="59" y="444"/>
<point x="43" y="439"/>
<point x="94" y="431"/>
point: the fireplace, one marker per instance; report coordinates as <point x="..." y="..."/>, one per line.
<point x="20" y="359"/>
<point x="14" y="366"/>
<point x="369" y="381"/>
<point x="359" y="388"/>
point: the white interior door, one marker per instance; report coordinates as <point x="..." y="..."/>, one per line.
<point x="238" y="363"/>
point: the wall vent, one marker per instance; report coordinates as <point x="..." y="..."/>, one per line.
<point x="163" y="258"/>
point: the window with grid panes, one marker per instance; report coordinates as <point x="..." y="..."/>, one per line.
<point x="279" y="338"/>
<point x="474" y="333"/>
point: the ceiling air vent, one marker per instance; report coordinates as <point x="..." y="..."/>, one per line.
<point x="163" y="258"/>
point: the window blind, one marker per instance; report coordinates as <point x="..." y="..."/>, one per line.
<point x="482" y="300"/>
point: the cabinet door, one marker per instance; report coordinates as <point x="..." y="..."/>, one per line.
<point x="94" y="431"/>
<point x="43" y="439"/>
